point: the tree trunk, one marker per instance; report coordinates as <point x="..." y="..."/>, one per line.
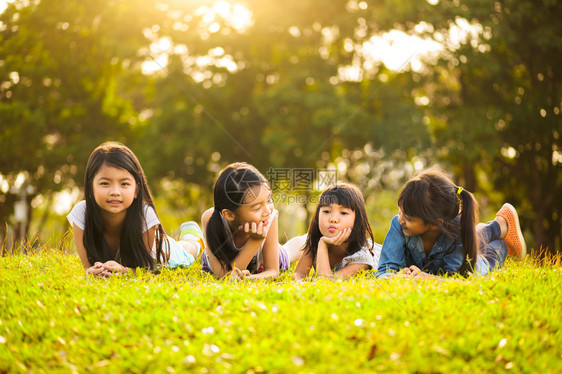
<point x="542" y="198"/>
<point x="469" y="176"/>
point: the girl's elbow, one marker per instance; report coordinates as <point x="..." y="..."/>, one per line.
<point x="273" y="273"/>
<point x="269" y="273"/>
<point x="386" y="270"/>
<point x="298" y="277"/>
<point x="325" y="273"/>
<point x="330" y="276"/>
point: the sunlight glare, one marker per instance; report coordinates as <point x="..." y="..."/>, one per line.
<point x="64" y="201"/>
<point x="4" y="5"/>
<point x="556" y="158"/>
<point x="236" y="16"/>
<point x="162" y="45"/>
<point x="395" y="48"/>
<point x="509" y="152"/>
<point x="4" y="185"/>
<point x="461" y="31"/>
<point x="151" y="67"/>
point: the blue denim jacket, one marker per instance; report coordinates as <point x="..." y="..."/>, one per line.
<point x="399" y="251"/>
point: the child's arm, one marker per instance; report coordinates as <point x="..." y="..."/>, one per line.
<point x="79" y="243"/>
<point x="247" y="252"/>
<point x="258" y="233"/>
<point x="364" y="259"/>
<point x="393" y="251"/>
<point x="303" y="266"/>
<point x="351" y="270"/>
<point x="97" y="270"/>
<point x="413" y="272"/>
<point x="323" y="267"/>
<point x="270" y="252"/>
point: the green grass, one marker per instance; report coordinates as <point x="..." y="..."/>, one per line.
<point x="54" y="319"/>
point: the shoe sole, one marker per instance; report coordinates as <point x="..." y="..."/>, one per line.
<point x="518" y="228"/>
<point x="191" y="225"/>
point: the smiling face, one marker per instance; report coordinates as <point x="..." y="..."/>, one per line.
<point x="412" y="226"/>
<point x="114" y="189"/>
<point x="334" y="218"/>
<point x="257" y="206"/>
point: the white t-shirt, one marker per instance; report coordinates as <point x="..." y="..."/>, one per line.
<point x="178" y="256"/>
<point x="363" y="256"/>
<point x="78" y="216"/>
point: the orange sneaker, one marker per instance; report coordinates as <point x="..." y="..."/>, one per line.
<point x="514" y="237"/>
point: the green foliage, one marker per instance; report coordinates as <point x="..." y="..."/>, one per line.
<point x="283" y="105"/>
<point x="52" y="319"/>
<point x="61" y="68"/>
<point x="495" y="100"/>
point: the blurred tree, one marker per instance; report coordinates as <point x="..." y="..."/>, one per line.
<point x="288" y="85"/>
<point x="493" y="95"/>
<point x="62" y="68"/>
<point x="284" y="89"/>
<point x="495" y="100"/>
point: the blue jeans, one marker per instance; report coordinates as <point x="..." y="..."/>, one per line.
<point x="493" y="250"/>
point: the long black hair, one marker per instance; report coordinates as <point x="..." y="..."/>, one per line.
<point x="433" y="197"/>
<point x="232" y="189"/>
<point x="132" y="248"/>
<point x="350" y="197"/>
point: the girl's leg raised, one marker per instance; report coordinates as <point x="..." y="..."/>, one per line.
<point x="511" y="230"/>
<point x="191" y="238"/>
<point x="294" y="247"/>
<point x="492" y="247"/>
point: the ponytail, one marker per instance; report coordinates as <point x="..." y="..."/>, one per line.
<point x="220" y="241"/>
<point x="469" y="217"/>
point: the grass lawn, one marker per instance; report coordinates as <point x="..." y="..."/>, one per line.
<point x="54" y="319"/>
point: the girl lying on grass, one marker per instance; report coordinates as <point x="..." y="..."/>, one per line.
<point x="241" y="229"/>
<point x="117" y="227"/>
<point x="339" y="242"/>
<point x="435" y="232"/>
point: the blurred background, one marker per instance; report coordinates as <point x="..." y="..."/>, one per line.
<point x="372" y="90"/>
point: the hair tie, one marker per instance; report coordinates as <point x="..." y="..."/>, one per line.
<point x="459" y="191"/>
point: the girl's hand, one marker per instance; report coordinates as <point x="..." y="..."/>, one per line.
<point x="98" y="271"/>
<point x="237" y="274"/>
<point x="423" y="275"/>
<point x="115" y="267"/>
<point x="408" y="273"/>
<point x="417" y="274"/>
<point x="402" y="275"/>
<point x="257" y="231"/>
<point x="338" y="239"/>
<point x="413" y="271"/>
